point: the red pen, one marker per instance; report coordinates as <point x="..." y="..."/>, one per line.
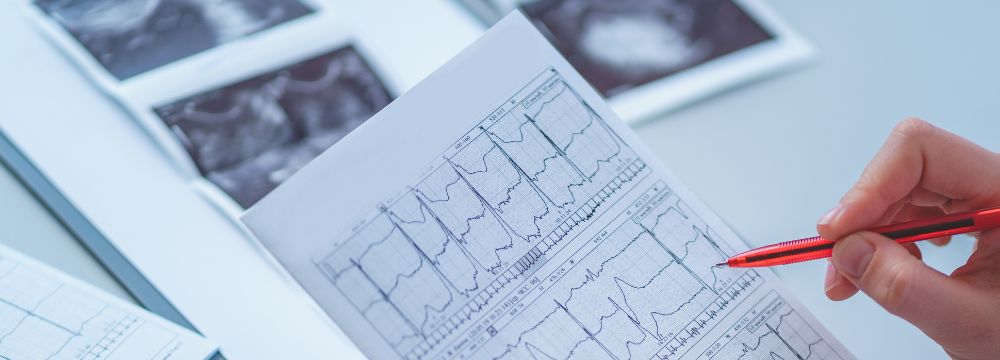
<point x="817" y="247"/>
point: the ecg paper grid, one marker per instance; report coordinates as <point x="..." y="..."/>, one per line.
<point x="543" y="234"/>
<point x="43" y="315"/>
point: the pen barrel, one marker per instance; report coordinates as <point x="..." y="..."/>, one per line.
<point x="941" y="226"/>
<point x="818" y="247"/>
<point x="988" y="219"/>
<point x="787" y="252"/>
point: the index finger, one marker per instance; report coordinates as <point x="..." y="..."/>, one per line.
<point x="917" y="155"/>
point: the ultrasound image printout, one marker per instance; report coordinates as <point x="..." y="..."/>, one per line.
<point x="130" y="37"/>
<point x="622" y="44"/>
<point x="249" y="137"/>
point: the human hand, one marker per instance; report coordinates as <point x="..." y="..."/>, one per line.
<point x="921" y="171"/>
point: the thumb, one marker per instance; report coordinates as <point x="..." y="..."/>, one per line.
<point x="905" y="286"/>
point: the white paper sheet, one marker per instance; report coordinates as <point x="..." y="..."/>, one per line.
<point x="45" y="314"/>
<point x="500" y="209"/>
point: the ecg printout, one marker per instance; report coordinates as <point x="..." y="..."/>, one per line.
<point x="45" y="314"/>
<point x="500" y="210"/>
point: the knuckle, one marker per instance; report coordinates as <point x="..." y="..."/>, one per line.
<point x="870" y="185"/>
<point x="894" y="286"/>
<point x="911" y="128"/>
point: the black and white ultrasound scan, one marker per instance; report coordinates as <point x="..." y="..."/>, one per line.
<point x="623" y="44"/>
<point x="131" y="37"/>
<point x="248" y="137"/>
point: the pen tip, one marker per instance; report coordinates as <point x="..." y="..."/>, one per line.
<point x="721" y="264"/>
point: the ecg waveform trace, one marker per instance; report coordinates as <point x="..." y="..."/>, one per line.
<point x="522" y="181"/>
<point x="647" y="288"/>
<point x="771" y="330"/>
<point x="43" y="318"/>
<point x="541" y="234"/>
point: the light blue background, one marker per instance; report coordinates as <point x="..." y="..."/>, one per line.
<point x="770" y="157"/>
<point x="773" y="157"/>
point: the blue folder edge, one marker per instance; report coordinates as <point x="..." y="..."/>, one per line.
<point x="76" y="223"/>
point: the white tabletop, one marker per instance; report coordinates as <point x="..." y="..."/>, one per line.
<point x="769" y="157"/>
<point x="27" y="226"/>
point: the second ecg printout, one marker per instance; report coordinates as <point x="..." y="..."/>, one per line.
<point x="45" y="314"/>
<point x="537" y="229"/>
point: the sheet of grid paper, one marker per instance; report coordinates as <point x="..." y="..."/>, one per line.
<point x="46" y="314"/>
<point x="501" y="210"/>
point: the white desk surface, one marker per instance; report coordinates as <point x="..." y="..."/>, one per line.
<point x="27" y="226"/>
<point x="770" y="157"/>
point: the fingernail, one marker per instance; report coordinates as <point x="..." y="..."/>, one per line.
<point x="831" y="215"/>
<point x="831" y="278"/>
<point x="853" y="254"/>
